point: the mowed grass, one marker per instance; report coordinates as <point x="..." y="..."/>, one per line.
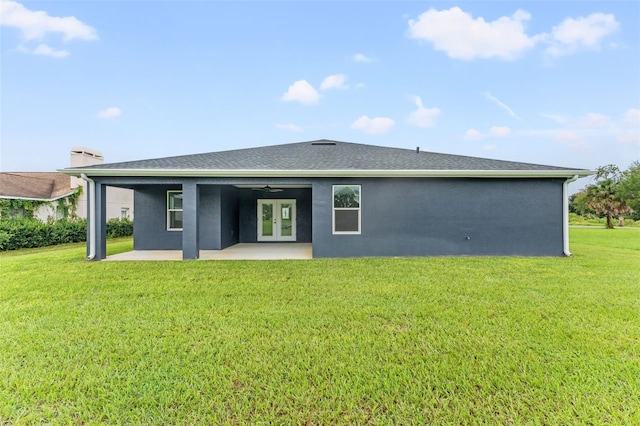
<point x="356" y="341"/>
<point x="615" y="238"/>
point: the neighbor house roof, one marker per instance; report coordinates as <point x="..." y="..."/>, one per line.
<point x="324" y="158"/>
<point x="46" y="186"/>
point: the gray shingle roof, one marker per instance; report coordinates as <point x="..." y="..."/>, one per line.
<point x="324" y="155"/>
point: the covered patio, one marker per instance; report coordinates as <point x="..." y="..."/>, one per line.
<point x="242" y="251"/>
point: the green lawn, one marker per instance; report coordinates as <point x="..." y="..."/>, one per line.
<point x="360" y="341"/>
<point x="614" y="238"/>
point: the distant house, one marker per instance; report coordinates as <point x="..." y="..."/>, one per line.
<point x="51" y="188"/>
<point x="48" y="188"/>
<point x="347" y="199"/>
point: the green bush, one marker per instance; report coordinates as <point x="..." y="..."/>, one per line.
<point x="119" y="228"/>
<point x="592" y="220"/>
<point x="28" y="233"/>
<point x="5" y="237"/>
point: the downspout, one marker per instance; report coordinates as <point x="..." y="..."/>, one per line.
<point x="92" y="213"/>
<point x="565" y="214"/>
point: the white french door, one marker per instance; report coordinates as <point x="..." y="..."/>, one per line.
<point x="276" y="220"/>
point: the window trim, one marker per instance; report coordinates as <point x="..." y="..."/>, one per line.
<point x="334" y="208"/>
<point x="172" y="191"/>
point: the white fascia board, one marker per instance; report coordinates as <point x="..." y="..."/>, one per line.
<point x="10" y="197"/>
<point x="257" y="173"/>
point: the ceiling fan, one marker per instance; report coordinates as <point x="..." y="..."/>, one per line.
<point x="267" y="188"/>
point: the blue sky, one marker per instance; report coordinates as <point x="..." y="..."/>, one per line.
<point x="543" y="82"/>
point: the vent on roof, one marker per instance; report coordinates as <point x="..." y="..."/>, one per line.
<point x="323" y="143"/>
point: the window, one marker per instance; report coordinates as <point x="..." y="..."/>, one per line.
<point x="346" y="209"/>
<point x="124" y="213"/>
<point x="174" y="210"/>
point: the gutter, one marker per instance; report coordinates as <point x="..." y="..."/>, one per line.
<point x="92" y="218"/>
<point x="565" y="214"/>
<point x="289" y="173"/>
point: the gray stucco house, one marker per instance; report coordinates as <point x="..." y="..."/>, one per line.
<point x="347" y="199"/>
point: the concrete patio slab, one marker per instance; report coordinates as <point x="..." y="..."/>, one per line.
<point x="245" y="251"/>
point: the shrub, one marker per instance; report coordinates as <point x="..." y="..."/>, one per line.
<point x="28" y="233"/>
<point x="592" y="220"/>
<point x="5" y="237"/>
<point x="119" y="228"/>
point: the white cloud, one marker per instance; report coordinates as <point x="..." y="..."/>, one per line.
<point x="571" y="139"/>
<point x="490" y="147"/>
<point x="592" y="130"/>
<point x="302" y="92"/>
<point x="631" y="134"/>
<point x="45" y="50"/>
<point x="539" y="133"/>
<point x="373" y="125"/>
<point x="497" y="131"/>
<point x="594" y="120"/>
<point x="473" y="135"/>
<point x="360" y="57"/>
<point x="461" y="36"/>
<point x="20" y="48"/>
<point x="110" y="112"/>
<point x="423" y="117"/>
<point x="289" y="127"/>
<point x="632" y="117"/>
<point x="335" y="81"/>
<point x="629" y="138"/>
<point x="37" y="24"/>
<point x="558" y="119"/>
<point x="360" y="85"/>
<point x="500" y="131"/>
<point x="501" y="104"/>
<point x="584" y="33"/>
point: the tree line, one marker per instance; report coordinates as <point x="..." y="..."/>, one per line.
<point x="614" y="194"/>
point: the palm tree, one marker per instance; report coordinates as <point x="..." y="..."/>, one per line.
<point x="603" y="196"/>
<point x="629" y="187"/>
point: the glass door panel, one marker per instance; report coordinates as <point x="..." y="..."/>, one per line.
<point x="267" y="220"/>
<point x="276" y="220"/>
<point x="286" y="218"/>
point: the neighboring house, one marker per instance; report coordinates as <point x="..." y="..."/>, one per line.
<point x="348" y="200"/>
<point x="47" y="189"/>
<point x="119" y="201"/>
<point x="50" y="188"/>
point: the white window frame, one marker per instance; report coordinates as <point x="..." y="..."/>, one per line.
<point x="169" y="228"/>
<point x="333" y="210"/>
<point x="124" y="213"/>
